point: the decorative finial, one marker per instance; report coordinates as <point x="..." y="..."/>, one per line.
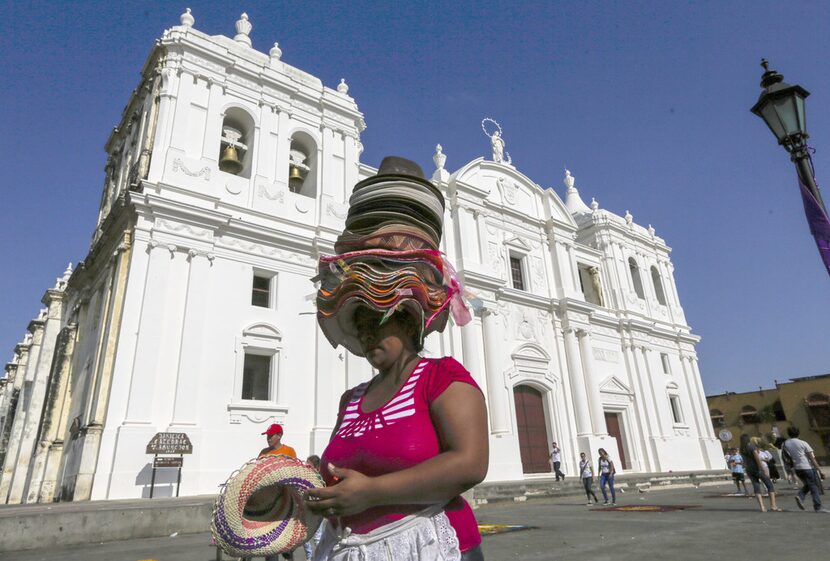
<point x="594" y="204"/>
<point x="343" y="87"/>
<point x="275" y="52"/>
<point x="769" y="77"/>
<point x="243" y="30"/>
<point x="569" y="180"/>
<point x="187" y="19"/>
<point x="439" y="158"/>
<point x="629" y="219"/>
<point x="68" y="272"/>
<point x="651" y="230"/>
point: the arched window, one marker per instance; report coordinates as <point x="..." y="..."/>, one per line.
<point x="818" y="410"/>
<point x="717" y="418"/>
<point x="635" y="278"/>
<point x="658" y="285"/>
<point x="302" y="165"/>
<point x="236" y="143"/>
<point x="749" y="415"/>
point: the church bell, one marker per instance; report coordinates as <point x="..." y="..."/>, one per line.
<point x="229" y="162"/>
<point x="295" y="179"/>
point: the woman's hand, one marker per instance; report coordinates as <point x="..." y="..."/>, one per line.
<point x="352" y="493"/>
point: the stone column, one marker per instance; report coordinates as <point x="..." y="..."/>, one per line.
<point x="53" y="299"/>
<point x="99" y="397"/>
<point x="186" y="404"/>
<point x="472" y="352"/>
<point x="701" y="396"/>
<point x="330" y="382"/>
<point x="496" y="390"/>
<point x="579" y="393"/>
<point x="658" y="398"/>
<point x="153" y="312"/>
<point x="591" y="385"/>
<point x="13" y="390"/>
<point x="52" y="413"/>
<point x="691" y="392"/>
<point x="640" y="406"/>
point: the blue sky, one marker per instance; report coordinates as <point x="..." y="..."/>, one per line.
<point x="647" y="103"/>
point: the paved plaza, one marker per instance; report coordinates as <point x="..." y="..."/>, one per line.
<point x="712" y="525"/>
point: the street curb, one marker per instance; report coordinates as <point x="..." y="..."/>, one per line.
<point x="35" y="526"/>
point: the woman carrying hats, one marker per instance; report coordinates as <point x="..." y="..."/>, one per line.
<point x="408" y="442"/>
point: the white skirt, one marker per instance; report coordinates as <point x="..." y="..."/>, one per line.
<point x="424" y="536"/>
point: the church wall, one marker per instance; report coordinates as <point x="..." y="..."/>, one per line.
<point x="172" y="341"/>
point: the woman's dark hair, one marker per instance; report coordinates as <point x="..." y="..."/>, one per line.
<point x="408" y="321"/>
<point x="745" y="438"/>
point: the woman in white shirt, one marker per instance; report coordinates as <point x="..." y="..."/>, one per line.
<point x="586" y="472"/>
<point x="606" y="476"/>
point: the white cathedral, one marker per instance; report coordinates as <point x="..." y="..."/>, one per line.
<point x="227" y="178"/>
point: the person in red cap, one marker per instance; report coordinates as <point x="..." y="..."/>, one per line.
<point x="275" y="445"/>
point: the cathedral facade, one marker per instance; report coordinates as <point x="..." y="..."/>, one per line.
<point x="227" y="178"/>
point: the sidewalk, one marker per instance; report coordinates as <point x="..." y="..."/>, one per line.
<point x="692" y="524"/>
<point x="29" y="526"/>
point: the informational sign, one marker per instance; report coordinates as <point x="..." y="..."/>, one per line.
<point x="725" y="435"/>
<point x="167" y="462"/>
<point x="170" y="443"/>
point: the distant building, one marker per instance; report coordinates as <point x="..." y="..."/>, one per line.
<point x="227" y="178"/>
<point x="801" y="402"/>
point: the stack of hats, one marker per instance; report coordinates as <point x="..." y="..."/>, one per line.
<point x="388" y="258"/>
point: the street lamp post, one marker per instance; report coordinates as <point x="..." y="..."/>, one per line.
<point x="781" y="106"/>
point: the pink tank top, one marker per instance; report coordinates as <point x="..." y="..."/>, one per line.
<point x="398" y="435"/>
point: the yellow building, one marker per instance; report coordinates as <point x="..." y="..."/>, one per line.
<point x="801" y="402"/>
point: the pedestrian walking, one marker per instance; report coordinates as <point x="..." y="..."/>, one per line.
<point x="736" y="466"/>
<point x="586" y="472"/>
<point x="273" y="435"/>
<point x="806" y="469"/>
<point x="556" y="460"/>
<point x="758" y="472"/>
<point x="606" y="476"/>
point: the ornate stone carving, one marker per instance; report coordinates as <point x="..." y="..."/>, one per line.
<point x="496" y="260"/>
<point x="187" y="19"/>
<point x="275" y="53"/>
<point x="178" y="164"/>
<point x="606" y="355"/>
<point x="266" y="192"/>
<point x="153" y="244"/>
<point x="243" y="30"/>
<point x="507" y="190"/>
<point x="192" y="253"/>
<point x="496" y="142"/>
<point x="164" y="225"/>
<point x="439" y="158"/>
<point x="269" y="251"/>
<point x="338" y="211"/>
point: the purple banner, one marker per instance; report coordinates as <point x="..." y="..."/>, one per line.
<point x="819" y="223"/>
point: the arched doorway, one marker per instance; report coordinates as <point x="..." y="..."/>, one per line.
<point x="531" y="426"/>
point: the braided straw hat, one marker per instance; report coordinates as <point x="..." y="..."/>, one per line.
<point x="260" y="510"/>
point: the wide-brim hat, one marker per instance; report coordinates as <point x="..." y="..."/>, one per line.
<point x="396" y="168"/>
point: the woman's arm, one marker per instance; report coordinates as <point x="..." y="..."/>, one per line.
<point x="460" y="417"/>
<point x="762" y="465"/>
<point x="612" y="469"/>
